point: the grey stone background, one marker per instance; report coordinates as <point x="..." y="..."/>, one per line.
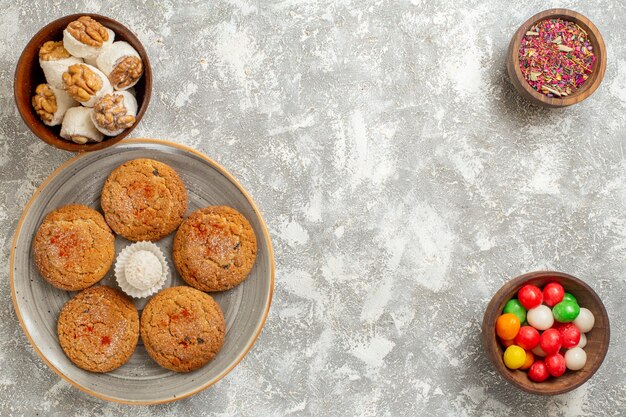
<point x="403" y="182"/>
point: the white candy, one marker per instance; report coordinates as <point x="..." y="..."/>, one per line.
<point x="53" y="70"/>
<point x="143" y="270"/>
<point x="64" y="102"/>
<point x="575" y="359"/>
<point x="583" y="341"/>
<point x="78" y="127"/>
<point x="538" y="351"/>
<point x="111" y="57"/>
<point x="540" y="317"/>
<point x="130" y="102"/>
<point x="79" y="49"/>
<point x="106" y="87"/>
<point x="585" y="320"/>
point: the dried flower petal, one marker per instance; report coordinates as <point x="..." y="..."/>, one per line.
<point x="555" y="57"/>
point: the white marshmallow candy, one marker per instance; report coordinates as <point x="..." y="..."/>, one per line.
<point x="583" y="341"/>
<point x="111" y="57"/>
<point x="78" y="127"/>
<point x="105" y="89"/>
<point x="108" y="116"/>
<point x="53" y="70"/>
<point x="585" y="320"/>
<point x="80" y="49"/>
<point x="43" y="99"/>
<point x="54" y="60"/>
<point x="575" y="359"/>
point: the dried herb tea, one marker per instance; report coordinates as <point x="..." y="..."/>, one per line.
<point x="556" y="57"/>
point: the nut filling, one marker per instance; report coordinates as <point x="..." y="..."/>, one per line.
<point x="126" y="72"/>
<point x="53" y="51"/>
<point x="110" y="113"/>
<point x="45" y="102"/>
<point x="88" y="31"/>
<point x="81" y="83"/>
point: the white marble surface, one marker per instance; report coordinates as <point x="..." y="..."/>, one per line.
<point x="402" y="179"/>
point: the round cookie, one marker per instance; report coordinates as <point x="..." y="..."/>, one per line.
<point x="99" y="329"/>
<point x="73" y="247"/>
<point x="182" y="328"/>
<point x="143" y="199"/>
<point x="215" y="248"/>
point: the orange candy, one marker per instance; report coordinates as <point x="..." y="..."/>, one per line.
<point x="530" y="359"/>
<point x="507" y="326"/>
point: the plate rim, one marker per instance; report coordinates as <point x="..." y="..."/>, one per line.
<point x="266" y="236"/>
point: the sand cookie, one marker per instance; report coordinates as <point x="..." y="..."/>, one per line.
<point x="73" y="247"/>
<point x="99" y="329"/>
<point x="144" y="199"/>
<point x="182" y="328"/>
<point x="215" y="248"/>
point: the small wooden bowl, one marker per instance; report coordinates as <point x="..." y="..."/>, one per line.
<point x="590" y="85"/>
<point x="597" y="338"/>
<point x="28" y="75"/>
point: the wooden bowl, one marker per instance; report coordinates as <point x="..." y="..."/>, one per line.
<point x="597" y="338"/>
<point x="28" y="75"/>
<point x="589" y="86"/>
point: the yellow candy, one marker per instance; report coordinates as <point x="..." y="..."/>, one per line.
<point x="514" y="357"/>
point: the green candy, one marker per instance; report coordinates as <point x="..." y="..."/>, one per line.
<point x="565" y="311"/>
<point x="569" y="297"/>
<point x="515" y="307"/>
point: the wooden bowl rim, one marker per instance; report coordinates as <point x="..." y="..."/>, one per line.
<point x="599" y="50"/>
<point x="49" y="136"/>
<point x="489" y="338"/>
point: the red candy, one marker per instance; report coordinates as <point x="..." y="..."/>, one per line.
<point x="555" y="364"/>
<point x="570" y="335"/>
<point x="538" y="371"/>
<point x="553" y="294"/>
<point x="550" y="341"/>
<point x="530" y="296"/>
<point x="527" y="338"/>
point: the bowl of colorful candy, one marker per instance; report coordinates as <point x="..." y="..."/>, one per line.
<point x="546" y="332"/>
<point x="556" y="58"/>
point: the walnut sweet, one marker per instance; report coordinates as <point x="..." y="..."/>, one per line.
<point x="88" y="31"/>
<point x="80" y="139"/>
<point x="127" y="72"/>
<point x="111" y="114"/>
<point x="81" y="82"/>
<point x="53" y="51"/>
<point x="44" y="102"/>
